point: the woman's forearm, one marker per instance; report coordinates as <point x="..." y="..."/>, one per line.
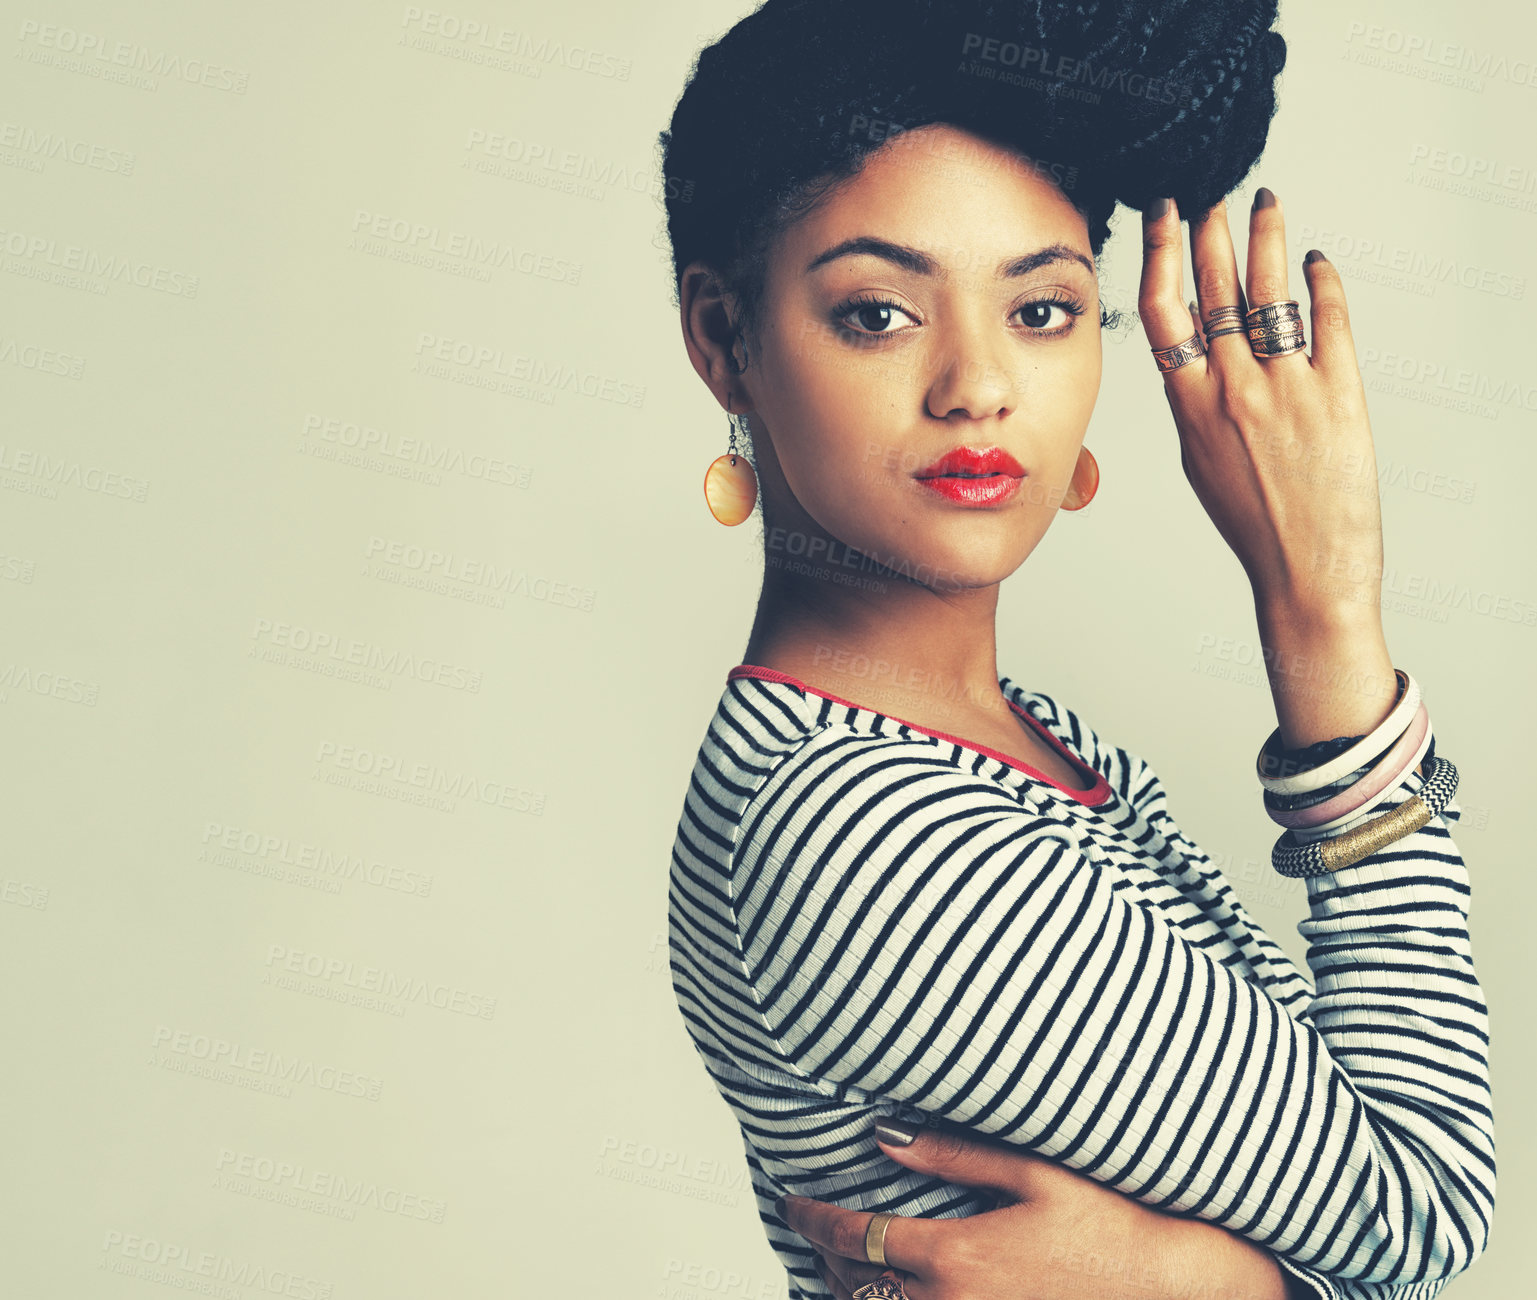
<point x="1329" y="668"/>
<point x="1201" y="1261"/>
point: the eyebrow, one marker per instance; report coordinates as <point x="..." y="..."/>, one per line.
<point x="920" y="263"/>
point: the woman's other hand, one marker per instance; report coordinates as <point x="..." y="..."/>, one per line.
<point x="1055" y="1235"/>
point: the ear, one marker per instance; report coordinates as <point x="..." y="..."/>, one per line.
<point x="709" y="314"/>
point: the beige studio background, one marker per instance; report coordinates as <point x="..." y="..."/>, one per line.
<point x="362" y="615"/>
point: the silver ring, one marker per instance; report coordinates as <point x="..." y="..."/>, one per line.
<point x="1223" y="320"/>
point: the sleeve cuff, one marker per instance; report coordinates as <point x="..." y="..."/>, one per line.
<point x="1312" y="1284"/>
<point x="1309" y="1283"/>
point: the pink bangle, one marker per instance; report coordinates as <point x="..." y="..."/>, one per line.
<point x="1387" y="772"/>
<point x="1363" y="816"/>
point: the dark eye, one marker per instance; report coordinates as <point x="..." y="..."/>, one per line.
<point x="872" y="316"/>
<point x="1037" y="315"/>
<point x="868" y="318"/>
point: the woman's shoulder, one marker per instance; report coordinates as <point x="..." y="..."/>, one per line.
<point x="775" y="729"/>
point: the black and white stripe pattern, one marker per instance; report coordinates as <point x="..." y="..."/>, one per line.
<point x="866" y="919"/>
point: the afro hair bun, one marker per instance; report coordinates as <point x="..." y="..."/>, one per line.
<point x="1124" y="100"/>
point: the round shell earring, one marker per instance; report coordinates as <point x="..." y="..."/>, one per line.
<point x="1085" y="482"/>
<point x="730" y="485"/>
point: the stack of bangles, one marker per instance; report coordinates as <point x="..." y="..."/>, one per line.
<point x="1322" y="793"/>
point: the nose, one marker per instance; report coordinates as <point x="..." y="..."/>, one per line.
<point x="974" y="376"/>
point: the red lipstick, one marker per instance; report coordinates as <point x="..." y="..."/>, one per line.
<point x="974" y="478"/>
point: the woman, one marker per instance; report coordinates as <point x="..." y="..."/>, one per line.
<point x="907" y="889"/>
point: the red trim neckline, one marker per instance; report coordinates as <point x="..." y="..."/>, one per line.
<point x="1095" y="795"/>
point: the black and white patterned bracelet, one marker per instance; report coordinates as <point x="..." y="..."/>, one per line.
<point x="1320" y="856"/>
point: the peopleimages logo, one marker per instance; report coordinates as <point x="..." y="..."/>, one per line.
<point x="1430" y="379"/>
<point x="1422" y="54"/>
<point x="304" y="641"/>
<point x="536" y="371"/>
<point x="1039" y="61"/>
<point x="299" y="1179"/>
<point x="485" y="254"/>
<point x="49" y="253"/>
<point x="390" y="985"/>
<point x="279" y="851"/>
<point x="54" y="145"/>
<point x="534" y="157"/>
<point x="75" y="50"/>
<point x="185" y="1268"/>
<point x="1413" y="264"/>
<point x="471" y="33"/>
<point x="222" y="1060"/>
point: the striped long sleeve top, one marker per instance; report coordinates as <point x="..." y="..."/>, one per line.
<point x="869" y="918"/>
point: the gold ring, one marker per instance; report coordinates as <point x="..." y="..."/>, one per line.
<point x="875" y="1237"/>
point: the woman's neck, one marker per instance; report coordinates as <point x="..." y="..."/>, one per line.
<point x="915" y="650"/>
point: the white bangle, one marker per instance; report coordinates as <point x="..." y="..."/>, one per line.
<point x="1358" y="755"/>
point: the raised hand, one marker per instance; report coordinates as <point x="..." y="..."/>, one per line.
<point x="1279" y="452"/>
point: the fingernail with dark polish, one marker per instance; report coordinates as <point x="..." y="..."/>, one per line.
<point x="779" y="1207"/>
<point x="1315" y="256"/>
<point x="1263" y="198"/>
<point x="896" y="1132"/>
<point x="1157" y="208"/>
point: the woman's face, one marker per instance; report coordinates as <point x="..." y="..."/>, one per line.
<point x="943" y="298"/>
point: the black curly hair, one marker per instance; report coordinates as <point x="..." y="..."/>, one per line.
<point x="1118" y="101"/>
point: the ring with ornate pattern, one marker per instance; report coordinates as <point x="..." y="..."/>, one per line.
<point x="1181" y="354"/>
<point x="883" y="1288"/>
